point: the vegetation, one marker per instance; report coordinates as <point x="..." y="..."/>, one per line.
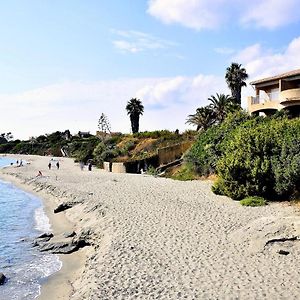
<point x="185" y="173"/>
<point x="262" y="158"/>
<point x="220" y="107"/>
<point x="209" y="146"/>
<point x="203" y="118"/>
<point x="152" y="171"/>
<point x="104" y="126"/>
<point x="134" y="109"/>
<point x="252" y="156"/>
<point x="235" y="78"/>
<point x="253" y="201"/>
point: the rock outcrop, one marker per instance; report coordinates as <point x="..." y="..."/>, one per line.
<point x="2" y="278"/>
<point x="65" y="244"/>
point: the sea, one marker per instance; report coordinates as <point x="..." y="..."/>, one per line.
<point x="22" y="219"/>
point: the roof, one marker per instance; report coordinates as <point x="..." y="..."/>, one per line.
<point x="277" y="77"/>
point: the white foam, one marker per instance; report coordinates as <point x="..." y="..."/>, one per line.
<point x="41" y="220"/>
<point x="50" y="263"/>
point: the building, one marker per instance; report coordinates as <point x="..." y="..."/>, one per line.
<point x="276" y="93"/>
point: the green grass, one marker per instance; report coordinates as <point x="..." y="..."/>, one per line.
<point x="253" y="201"/>
<point x="185" y="173"/>
<point x="152" y="171"/>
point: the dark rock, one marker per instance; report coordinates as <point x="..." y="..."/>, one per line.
<point x="63" y="206"/>
<point x="69" y="234"/>
<point x="283" y="252"/>
<point x="45" y="235"/>
<point x="60" y="247"/>
<point x="66" y="205"/>
<point x="2" y="278"/>
<point x="63" y="247"/>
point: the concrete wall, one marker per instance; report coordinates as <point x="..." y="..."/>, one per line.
<point x="171" y="153"/>
<point x="118" y="168"/>
<point x="106" y="166"/>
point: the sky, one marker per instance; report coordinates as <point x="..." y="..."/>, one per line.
<point x="65" y="62"/>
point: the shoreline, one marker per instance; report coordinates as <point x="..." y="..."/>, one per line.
<point x="58" y="285"/>
<point x="156" y="238"/>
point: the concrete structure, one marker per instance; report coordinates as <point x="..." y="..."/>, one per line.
<point x="276" y="93"/>
<point x="107" y="166"/>
<point x="118" y="167"/>
<point x="171" y="153"/>
<point x="163" y="157"/>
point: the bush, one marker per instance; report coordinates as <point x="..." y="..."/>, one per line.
<point x="209" y="146"/>
<point x="253" y="201"/>
<point x="152" y="171"/>
<point x="261" y="158"/>
<point x="185" y="173"/>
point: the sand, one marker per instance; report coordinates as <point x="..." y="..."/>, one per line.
<point x="155" y="238"/>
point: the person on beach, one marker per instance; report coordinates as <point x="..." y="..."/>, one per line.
<point x="39" y="174"/>
<point x="57" y="165"/>
<point x="90" y="166"/>
<point x="81" y="164"/>
<point x="49" y="165"/>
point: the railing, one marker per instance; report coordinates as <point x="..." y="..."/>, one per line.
<point x="267" y="97"/>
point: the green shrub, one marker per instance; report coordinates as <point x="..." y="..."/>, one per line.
<point x="261" y="158"/>
<point x="209" y="146"/>
<point x="185" y="173"/>
<point x="152" y="171"/>
<point x="253" y="201"/>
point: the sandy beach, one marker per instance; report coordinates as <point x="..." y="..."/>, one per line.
<point x="155" y="238"/>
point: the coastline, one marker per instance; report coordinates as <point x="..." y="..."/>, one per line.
<point x="156" y="238"/>
<point x="59" y="285"/>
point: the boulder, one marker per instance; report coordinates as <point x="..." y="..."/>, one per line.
<point x="63" y="206"/>
<point x="66" y="205"/>
<point x="69" y="234"/>
<point x="45" y="235"/>
<point x="2" y="278"/>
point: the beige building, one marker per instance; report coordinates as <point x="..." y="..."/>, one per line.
<point x="276" y="93"/>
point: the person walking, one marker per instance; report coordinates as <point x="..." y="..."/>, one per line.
<point x="57" y="165"/>
<point x="90" y="166"/>
<point x="49" y="165"/>
<point x="81" y="164"/>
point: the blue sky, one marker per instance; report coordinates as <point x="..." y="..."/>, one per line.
<point x="65" y="62"/>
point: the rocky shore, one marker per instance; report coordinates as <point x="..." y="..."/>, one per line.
<point x="140" y="237"/>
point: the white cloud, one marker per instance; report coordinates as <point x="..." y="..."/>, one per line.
<point x="136" y="41"/>
<point x="197" y="14"/>
<point x="248" y="54"/>
<point x="260" y="62"/>
<point x="168" y="101"/>
<point x="78" y="105"/>
<point x="210" y="14"/>
<point x="271" y="13"/>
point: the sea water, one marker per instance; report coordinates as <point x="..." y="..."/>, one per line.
<point x="21" y="220"/>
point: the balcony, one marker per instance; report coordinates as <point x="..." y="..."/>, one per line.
<point x="290" y="96"/>
<point x="266" y="97"/>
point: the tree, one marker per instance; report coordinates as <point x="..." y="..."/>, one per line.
<point x="6" y="137"/>
<point x="235" y="78"/>
<point x="221" y="105"/>
<point x="104" y="126"/>
<point x="134" y="109"/>
<point x="203" y="118"/>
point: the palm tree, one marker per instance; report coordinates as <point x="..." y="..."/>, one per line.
<point x="221" y="105"/>
<point x="203" y="118"/>
<point x="235" y="78"/>
<point x="134" y="109"/>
